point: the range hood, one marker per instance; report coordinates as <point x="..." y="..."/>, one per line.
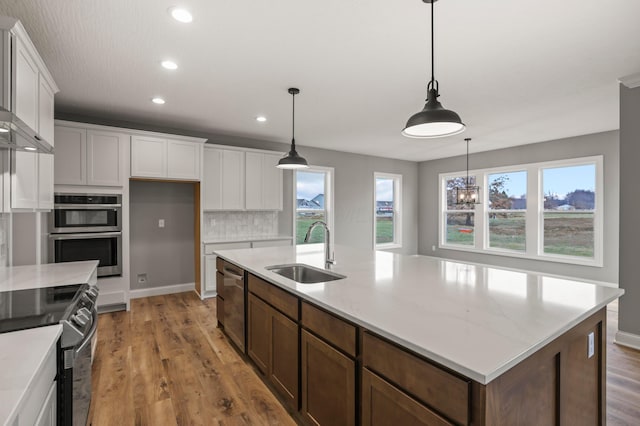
<point x="16" y="134"/>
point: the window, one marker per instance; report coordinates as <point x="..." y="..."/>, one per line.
<point x="313" y="200"/>
<point x="387" y="220"/>
<point x="549" y="211"/>
<point x="459" y="218"/>
<point x="507" y="210"/>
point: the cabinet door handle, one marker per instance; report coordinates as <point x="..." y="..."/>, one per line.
<point x="235" y="276"/>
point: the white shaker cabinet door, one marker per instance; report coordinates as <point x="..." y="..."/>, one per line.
<point x="105" y="158"/>
<point x="233" y="190"/>
<point x="183" y="160"/>
<point x="24" y="180"/>
<point x="271" y="183"/>
<point x="254" y="181"/>
<point x="212" y="179"/>
<point x="148" y="157"/>
<point x="26" y="92"/>
<point x="45" y="107"/>
<point x="70" y="156"/>
<point x="47" y="415"/>
<point x="45" y="181"/>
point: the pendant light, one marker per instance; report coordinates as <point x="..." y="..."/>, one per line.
<point x="434" y="120"/>
<point x="469" y="194"/>
<point x="293" y="160"/>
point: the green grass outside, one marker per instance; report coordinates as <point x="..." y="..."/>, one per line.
<point x="384" y="229"/>
<point x="569" y="234"/>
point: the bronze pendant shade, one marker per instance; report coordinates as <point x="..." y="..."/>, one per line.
<point x="293" y="160"/>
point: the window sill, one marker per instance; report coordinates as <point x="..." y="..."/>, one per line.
<point x="540" y="258"/>
<point x="387" y="246"/>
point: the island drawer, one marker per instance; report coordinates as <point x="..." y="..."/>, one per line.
<point x="330" y="328"/>
<point x="279" y="299"/>
<point x="446" y="393"/>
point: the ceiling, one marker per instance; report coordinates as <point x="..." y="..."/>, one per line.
<point x="516" y="72"/>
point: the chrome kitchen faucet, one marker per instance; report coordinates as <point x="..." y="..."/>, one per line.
<point x="329" y="258"/>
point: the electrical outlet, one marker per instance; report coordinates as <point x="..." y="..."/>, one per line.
<point x="592" y="345"/>
<point x="160" y="223"/>
<point x="433" y="248"/>
<point x="142" y="278"/>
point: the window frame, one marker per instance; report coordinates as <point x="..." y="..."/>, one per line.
<point x="397" y="211"/>
<point x="328" y="197"/>
<point x="534" y="213"/>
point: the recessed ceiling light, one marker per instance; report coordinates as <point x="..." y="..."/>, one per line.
<point x="261" y="118"/>
<point x="29" y="148"/>
<point x="170" y="65"/>
<point x="181" y="15"/>
<point x="158" y="101"/>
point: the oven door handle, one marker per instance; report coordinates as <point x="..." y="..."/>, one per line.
<point x="84" y="235"/>
<point x="90" y="334"/>
<point x="86" y="206"/>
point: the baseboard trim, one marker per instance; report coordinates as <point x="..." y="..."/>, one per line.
<point x="629" y="340"/>
<point x="160" y="291"/>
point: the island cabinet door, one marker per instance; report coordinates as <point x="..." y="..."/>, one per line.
<point x="284" y="358"/>
<point x="384" y="404"/>
<point x="328" y="384"/>
<point x="258" y="329"/>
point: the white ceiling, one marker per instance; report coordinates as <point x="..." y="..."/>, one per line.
<point x="517" y="72"/>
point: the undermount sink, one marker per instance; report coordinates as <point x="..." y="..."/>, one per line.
<point x="304" y="274"/>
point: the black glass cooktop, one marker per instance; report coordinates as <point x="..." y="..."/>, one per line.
<point x="37" y="307"/>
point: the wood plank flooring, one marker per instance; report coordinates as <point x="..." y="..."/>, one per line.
<point x="166" y="363"/>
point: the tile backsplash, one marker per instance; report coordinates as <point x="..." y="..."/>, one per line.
<point x="235" y="225"/>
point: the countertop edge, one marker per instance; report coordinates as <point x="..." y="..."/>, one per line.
<point x="481" y="378"/>
<point x="57" y="330"/>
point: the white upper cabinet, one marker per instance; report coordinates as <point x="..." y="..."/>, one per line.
<point x="183" y="160"/>
<point x="105" y="157"/>
<point x="26" y="86"/>
<point x="223" y="184"/>
<point x="236" y="179"/>
<point x="71" y="152"/>
<point x="148" y="157"/>
<point x="46" y="107"/>
<point x="263" y="182"/>
<point x="31" y="181"/>
<point x="160" y="158"/>
<point x="89" y="156"/>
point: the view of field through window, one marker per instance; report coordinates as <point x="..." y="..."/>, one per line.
<point x="507" y="207"/>
<point x="569" y="205"/>
<point x="310" y="205"/>
<point x="385" y="214"/>
<point x="460" y="218"/>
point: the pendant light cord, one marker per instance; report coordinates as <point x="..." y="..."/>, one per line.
<point x="293" y="121"/>
<point x="467" y="140"/>
<point x="433" y="79"/>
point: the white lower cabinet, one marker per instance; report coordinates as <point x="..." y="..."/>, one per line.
<point x="209" y="289"/>
<point x="47" y="416"/>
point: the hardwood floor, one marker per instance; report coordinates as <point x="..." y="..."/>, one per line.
<point x="166" y="363"/>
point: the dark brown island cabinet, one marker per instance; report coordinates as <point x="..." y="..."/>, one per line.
<point x="329" y="371"/>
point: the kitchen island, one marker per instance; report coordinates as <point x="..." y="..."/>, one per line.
<point x="517" y="343"/>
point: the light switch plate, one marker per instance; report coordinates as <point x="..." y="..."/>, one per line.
<point x="592" y="345"/>
<point x="160" y="223"/>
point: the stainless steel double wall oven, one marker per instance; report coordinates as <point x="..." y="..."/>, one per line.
<point x="87" y="227"/>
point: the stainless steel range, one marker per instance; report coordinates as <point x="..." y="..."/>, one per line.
<point x="87" y="227"/>
<point x="73" y="306"/>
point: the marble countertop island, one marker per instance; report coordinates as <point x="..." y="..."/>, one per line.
<point x="477" y="320"/>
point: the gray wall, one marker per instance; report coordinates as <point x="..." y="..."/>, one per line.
<point x="606" y="144"/>
<point x="166" y="254"/>
<point x="629" y="314"/>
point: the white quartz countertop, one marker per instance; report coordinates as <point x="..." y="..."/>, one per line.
<point x="477" y="320"/>
<point x="245" y="239"/>
<point x="22" y="359"/>
<point x="47" y="275"/>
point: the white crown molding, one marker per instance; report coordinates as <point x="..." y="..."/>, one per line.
<point x="631" y="81"/>
<point x="627" y="339"/>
